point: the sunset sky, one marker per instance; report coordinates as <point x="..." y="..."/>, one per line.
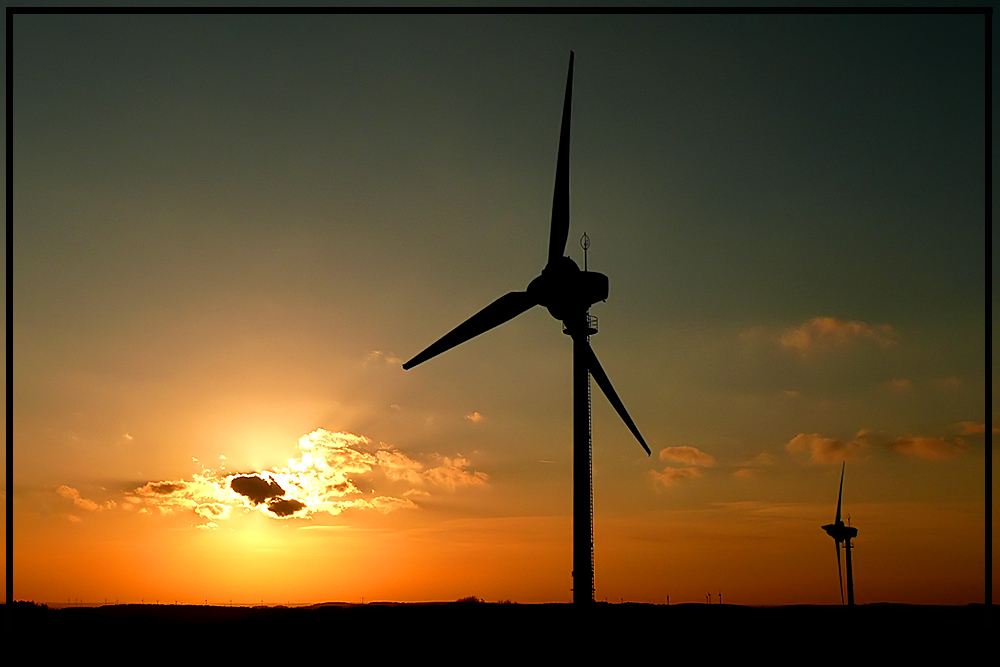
<point x="230" y="231"/>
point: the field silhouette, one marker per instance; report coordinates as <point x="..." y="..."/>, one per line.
<point x="471" y="630"/>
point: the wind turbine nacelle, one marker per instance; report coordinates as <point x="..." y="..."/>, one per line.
<point x="595" y="287"/>
<point x="566" y="291"/>
<point x="840" y="532"/>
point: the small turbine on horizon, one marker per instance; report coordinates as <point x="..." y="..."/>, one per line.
<point x="567" y="293"/>
<point x="842" y="532"/>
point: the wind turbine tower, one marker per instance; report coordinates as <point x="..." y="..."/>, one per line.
<point x="567" y="293"/>
<point x="841" y="532"/>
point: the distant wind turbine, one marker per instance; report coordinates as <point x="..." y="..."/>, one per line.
<point x="843" y="533"/>
<point x="567" y="293"/>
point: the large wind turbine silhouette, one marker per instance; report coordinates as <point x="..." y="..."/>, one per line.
<point x="567" y="293"/>
<point x="843" y="533"/>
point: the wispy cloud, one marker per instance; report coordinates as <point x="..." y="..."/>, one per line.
<point x="824" y="333"/>
<point x="671" y="476"/>
<point x="72" y="494"/>
<point x="475" y="417"/>
<point x="828" y="450"/>
<point x="380" y="357"/>
<point x="691" y="456"/>
<point x="932" y="449"/>
<point x="975" y="428"/>
<point x="972" y="428"/>
<point x="754" y="466"/>
<point x="453" y="473"/>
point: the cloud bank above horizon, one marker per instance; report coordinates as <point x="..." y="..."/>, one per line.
<point x="334" y="472"/>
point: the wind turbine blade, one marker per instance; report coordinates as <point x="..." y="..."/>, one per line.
<point x="840" y="497"/>
<point x="505" y="308"/>
<point x="840" y="572"/>
<point x="559" y="230"/>
<point x="605" y="384"/>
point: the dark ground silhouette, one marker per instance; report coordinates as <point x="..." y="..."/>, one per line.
<point x="472" y="631"/>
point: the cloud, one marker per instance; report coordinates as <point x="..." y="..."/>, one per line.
<point x="380" y="357"/>
<point x="762" y="459"/>
<point x="326" y="478"/>
<point x="828" y="450"/>
<point x="163" y="488"/>
<point x="975" y="428"/>
<point x="972" y="428"/>
<point x="256" y="487"/>
<point x="824" y="333"/>
<point x="397" y="466"/>
<point x="753" y="467"/>
<point x="692" y="456"/>
<point x="213" y="510"/>
<point x="452" y="473"/>
<point x="475" y="417"/>
<point x="285" y="507"/>
<point x="932" y="449"/>
<point x="72" y="494"/>
<point x="671" y="476"/>
<point x="386" y="504"/>
<point x="831" y="450"/>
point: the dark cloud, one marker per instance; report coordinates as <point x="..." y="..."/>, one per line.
<point x="256" y="488"/>
<point x="284" y="507"/>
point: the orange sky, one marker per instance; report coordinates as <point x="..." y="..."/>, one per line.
<point x="229" y="232"/>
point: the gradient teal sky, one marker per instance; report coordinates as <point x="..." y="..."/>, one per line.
<point x="229" y="231"/>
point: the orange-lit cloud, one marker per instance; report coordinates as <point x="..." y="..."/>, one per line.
<point x="823" y="333"/>
<point x="452" y="473"/>
<point x="973" y="428"/>
<point x="378" y="356"/>
<point x="74" y="495"/>
<point x="213" y="511"/>
<point x="671" y="476"/>
<point x="762" y="459"/>
<point x="323" y="479"/>
<point x="475" y="417"/>
<point x="932" y="449"/>
<point x="754" y="466"/>
<point x="828" y="450"/>
<point x="691" y="456"/>
<point x="398" y="467"/>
